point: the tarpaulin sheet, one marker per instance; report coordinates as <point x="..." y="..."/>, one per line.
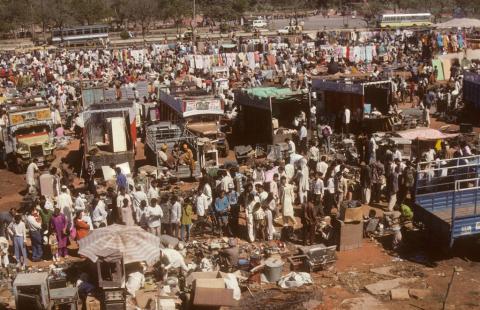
<point x="266" y="92"/>
<point x="424" y="134"/>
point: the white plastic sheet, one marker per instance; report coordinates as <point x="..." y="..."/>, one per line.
<point x="295" y="279"/>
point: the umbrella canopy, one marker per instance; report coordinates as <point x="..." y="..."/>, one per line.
<point x="459" y="23"/>
<point x="134" y="243"/>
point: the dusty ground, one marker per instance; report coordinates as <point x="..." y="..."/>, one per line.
<point x="343" y="287"/>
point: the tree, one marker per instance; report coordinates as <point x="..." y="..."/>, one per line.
<point x="88" y="11"/>
<point x="143" y="12"/>
<point x="176" y="11"/>
<point x="15" y="14"/>
<point x="223" y="10"/>
<point x="371" y="10"/>
<point x="118" y="10"/>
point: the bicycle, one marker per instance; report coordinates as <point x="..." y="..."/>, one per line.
<point x="204" y="225"/>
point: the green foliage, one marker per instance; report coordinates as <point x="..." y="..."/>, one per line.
<point x="124" y="35"/>
<point x="88" y="11"/>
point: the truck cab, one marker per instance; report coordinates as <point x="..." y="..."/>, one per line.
<point x="28" y="135"/>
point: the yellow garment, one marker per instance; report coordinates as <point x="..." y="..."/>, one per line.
<point x="438" y="145"/>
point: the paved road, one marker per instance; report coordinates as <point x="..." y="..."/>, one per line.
<point x="317" y="22"/>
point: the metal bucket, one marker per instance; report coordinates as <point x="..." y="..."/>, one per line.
<point x="273" y="269"/>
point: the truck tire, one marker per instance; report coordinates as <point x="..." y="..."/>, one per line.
<point x="226" y="149"/>
<point x="20" y="167"/>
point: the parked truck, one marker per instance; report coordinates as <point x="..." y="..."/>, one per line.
<point x="447" y="199"/>
<point x="200" y="112"/>
<point x="169" y="134"/>
<point x="28" y="135"/>
<point x="110" y="133"/>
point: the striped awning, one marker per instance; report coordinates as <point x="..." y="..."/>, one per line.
<point x="134" y="243"/>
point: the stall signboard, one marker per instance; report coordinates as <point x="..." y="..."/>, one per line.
<point x="323" y="85"/>
<point x="203" y="106"/>
<point x="20" y="117"/>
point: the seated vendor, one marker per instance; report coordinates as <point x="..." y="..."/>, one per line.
<point x="231" y="253"/>
<point x="164" y="159"/>
<point x="375" y="112"/>
<point x="188" y="158"/>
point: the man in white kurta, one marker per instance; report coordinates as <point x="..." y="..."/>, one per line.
<point x="302" y="179"/>
<point x="287" y="198"/>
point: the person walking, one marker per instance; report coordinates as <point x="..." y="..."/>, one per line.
<point x="287" y="197"/>
<point x="186" y="220"/>
<point x="34" y="225"/>
<point x="154" y="215"/>
<point x="82" y="228"/>
<point x="309" y="222"/>
<point x="58" y="224"/>
<point x="18" y="231"/>
<point x="126" y="213"/>
<point x="366" y="182"/>
<point x="392" y="187"/>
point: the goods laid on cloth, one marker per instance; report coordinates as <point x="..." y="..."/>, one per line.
<point x="295" y="279"/>
<point x="134" y="243"/>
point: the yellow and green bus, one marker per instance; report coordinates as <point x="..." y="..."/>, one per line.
<point x="405" y="20"/>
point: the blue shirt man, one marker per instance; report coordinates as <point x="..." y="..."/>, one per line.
<point x="121" y="179"/>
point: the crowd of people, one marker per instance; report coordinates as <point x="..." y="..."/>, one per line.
<point x="264" y="196"/>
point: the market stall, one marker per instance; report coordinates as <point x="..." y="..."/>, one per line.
<point x="266" y="114"/>
<point x="360" y="95"/>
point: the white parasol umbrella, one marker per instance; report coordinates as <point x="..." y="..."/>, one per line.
<point x="134" y="243"/>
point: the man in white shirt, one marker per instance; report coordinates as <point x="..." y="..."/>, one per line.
<point x="65" y="204"/>
<point x="175" y="216"/>
<point x="152" y="192"/>
<point x="18" y="231"/>
<point x="397" y="154"/>
<point x="322" y="165"/>
<point x="226" y="181"/>
<point x="201" y="204"/>
<point x="318" y="189"/>
<point x="99" y="214"/>
<point x="138" y="196"/>
<point x="302" y="136"/>
<point x="30" y="175"/>
<point x="261" y="193"/>
<point x="34" y="224"/>
<point x="154" y="214"/>
<point x="122" y="195"/>
<point x="291" y="146"/>
<point x="346" y="121"/>
<point x="313" y="154"/>
<point x="207" y="190"/>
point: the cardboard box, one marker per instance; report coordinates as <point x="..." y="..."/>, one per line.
<point x="208" y="289"/>
<point x="353" y="215"/>
<point x="349" y="235"/>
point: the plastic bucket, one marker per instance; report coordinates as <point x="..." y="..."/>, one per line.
<point x="273" y="269"/>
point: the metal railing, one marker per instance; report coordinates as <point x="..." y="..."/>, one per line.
<point x="437" y="178"/>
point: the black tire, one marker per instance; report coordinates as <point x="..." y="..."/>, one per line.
<point x="19" y="167"/>
<point x="225" y="149"/>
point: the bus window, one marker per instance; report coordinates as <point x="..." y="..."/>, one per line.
<point x="95" y="30"/>
<point x="56" y="33"/>
<point x="79" y="32"/>
<point x="71" y="32"/>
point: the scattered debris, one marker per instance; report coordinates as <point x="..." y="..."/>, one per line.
<point x="294" y="279"/>
<point x="418" y="293"/>
<point x="366" y="302"/>
<point x="384" y="271"/>
<point x="383" y="287"/>
<point x="399" y="294"/>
